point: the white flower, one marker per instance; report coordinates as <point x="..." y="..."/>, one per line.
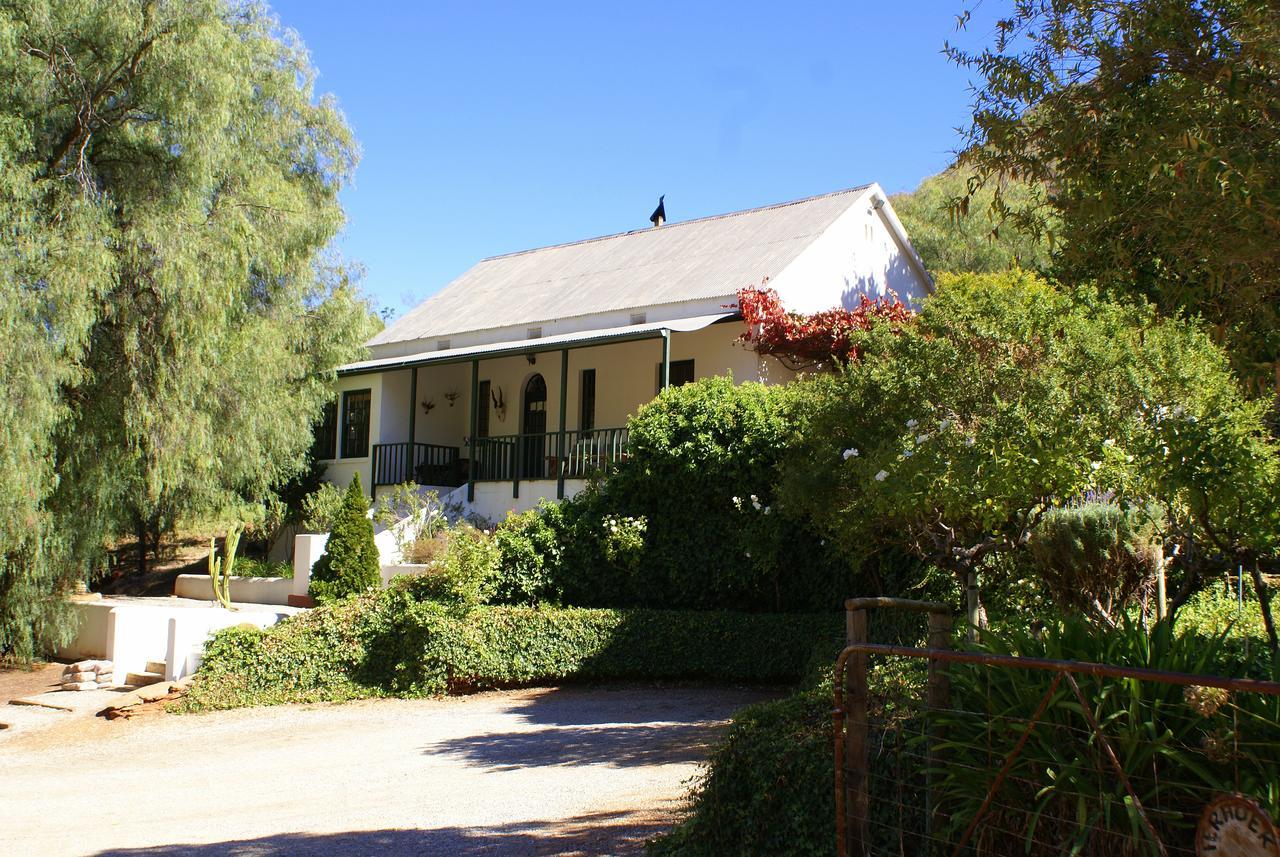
<point x="907" y="453"/>
<point x="766" y="509"/>
<point x="912" y="423"/>
<point x="944" y="425"/>
<point x="1165" y="450"/>
<point x="1095" y="465"/>
<point x="1111" y="441"/>
<point x="882" y="475"/>
<point x="850" y="453"/>
<point x="970" y="440"/>
<point x="921" y="438"/>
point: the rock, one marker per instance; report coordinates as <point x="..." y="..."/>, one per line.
<point x="80" y="685"/>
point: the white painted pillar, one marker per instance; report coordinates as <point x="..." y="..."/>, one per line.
<point x="307" y="550"/>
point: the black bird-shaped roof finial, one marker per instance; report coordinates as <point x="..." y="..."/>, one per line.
<point x="659" y="215"/>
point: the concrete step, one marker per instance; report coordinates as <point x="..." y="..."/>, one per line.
<point x="143" y="679"/>
<point x="157" y="667"/>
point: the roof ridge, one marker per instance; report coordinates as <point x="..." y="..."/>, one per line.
<point x="668" y="226"/>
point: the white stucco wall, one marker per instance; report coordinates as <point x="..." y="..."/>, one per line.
<point x="340" y="470"/>
<point x="494" y="500"/>
<point x="858" y="254"/>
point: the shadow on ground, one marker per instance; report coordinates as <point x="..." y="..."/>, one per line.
<point x="596" y="833"/>
<point x="562" y="706"/>
<point x="615" y="745"/>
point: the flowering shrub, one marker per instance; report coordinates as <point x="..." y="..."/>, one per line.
<point x="822" y="340"/>
<point x="1009" y="396"/>
<point x="623" y="541"/>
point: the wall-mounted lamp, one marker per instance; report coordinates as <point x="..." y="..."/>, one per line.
<point x="532" y="358"/>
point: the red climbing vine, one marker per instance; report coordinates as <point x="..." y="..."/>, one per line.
<point x="818" y="341"/>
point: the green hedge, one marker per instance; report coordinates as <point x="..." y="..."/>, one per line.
<point x="767" y="788"/>
<point x="390" y="644"/>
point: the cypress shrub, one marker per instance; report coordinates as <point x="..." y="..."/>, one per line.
<point x="350" y="562"/>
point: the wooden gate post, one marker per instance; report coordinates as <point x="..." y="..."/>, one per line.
<point x="855" y="738"/>
<point x="937" y="696"/>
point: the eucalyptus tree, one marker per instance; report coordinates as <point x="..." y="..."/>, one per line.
<point x="170" y="187"/>
<point x="1152" y="124"/>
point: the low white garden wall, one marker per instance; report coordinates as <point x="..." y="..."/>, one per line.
<point x="247" y="590"/>
<point x="132" y="632"/>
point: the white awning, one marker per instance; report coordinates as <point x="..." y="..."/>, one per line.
<point x="580" y="339"/>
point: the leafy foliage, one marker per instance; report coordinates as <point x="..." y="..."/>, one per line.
<point x="1095" y="557"/>
<point x="464" y="574"/>
<point x="1009" y="396"/>
<point x="1153" y="124"/>
<point x="767" y="786"/>
<point x="388" y="643"/>
<point x="1174" y="742"/>
<point x="320" y="508"/>
<point x="690" y="519"/>
<point x="530" y="554"/>
<point x="170" y="183"/>
<point x="350" y="562"/>
<point x="823" y="340"/>
<point x="251" y="567"/>
<point x="968" y="240"/>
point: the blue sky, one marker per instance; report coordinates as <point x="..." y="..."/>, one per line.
<point x="487" y="128"/>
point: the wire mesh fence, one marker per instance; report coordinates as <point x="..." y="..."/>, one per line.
<point x="974" y="753"/>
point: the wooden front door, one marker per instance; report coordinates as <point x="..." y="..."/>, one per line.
<point x="533" y="428"/>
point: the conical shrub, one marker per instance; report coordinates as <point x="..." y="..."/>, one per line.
<point x="350" y="562"/>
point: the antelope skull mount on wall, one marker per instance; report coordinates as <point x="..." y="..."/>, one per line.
<point x="499" y="404"/>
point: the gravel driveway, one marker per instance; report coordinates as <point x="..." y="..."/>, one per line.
<point x="548" y="771"/>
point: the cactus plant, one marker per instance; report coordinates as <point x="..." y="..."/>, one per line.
<point x="220" y="567"/>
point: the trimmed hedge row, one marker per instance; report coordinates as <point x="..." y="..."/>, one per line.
<point x="387" y="643"/>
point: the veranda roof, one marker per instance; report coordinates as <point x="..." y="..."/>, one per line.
<point x="557" y="342"/>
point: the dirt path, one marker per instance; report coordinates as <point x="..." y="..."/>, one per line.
<point x="549" y="771"/>
<point x="16" y="682"/>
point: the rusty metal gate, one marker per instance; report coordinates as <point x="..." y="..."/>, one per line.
<point x="1090" y="758"/>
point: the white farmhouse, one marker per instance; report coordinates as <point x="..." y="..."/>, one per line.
<point x="514" y="382"/>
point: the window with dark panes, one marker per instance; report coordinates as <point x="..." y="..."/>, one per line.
<point x="482" y="414"/>
<point x="355" y="423"/>
<point x="681" y="373"/>
<point x="325" y="433"/>
<point x="587" y="421"/>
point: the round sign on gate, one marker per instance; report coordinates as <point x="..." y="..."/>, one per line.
<point x="1234" y="826"/>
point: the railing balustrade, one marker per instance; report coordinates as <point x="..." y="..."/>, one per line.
<point x="504" y="458"/>
<point x="426" y="464"/>
<point x="537" y="456"/>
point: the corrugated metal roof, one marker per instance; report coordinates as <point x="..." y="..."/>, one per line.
<point x="690" y="260"/>
<point x="580" y="339"/>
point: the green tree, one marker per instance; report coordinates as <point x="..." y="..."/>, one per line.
<point x="350" y="562"/>
<point x="169" y="187"/>
<point x="1154" y="125"/>
<point x="1008" y="397"/>
<point x="968" y="240"/>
